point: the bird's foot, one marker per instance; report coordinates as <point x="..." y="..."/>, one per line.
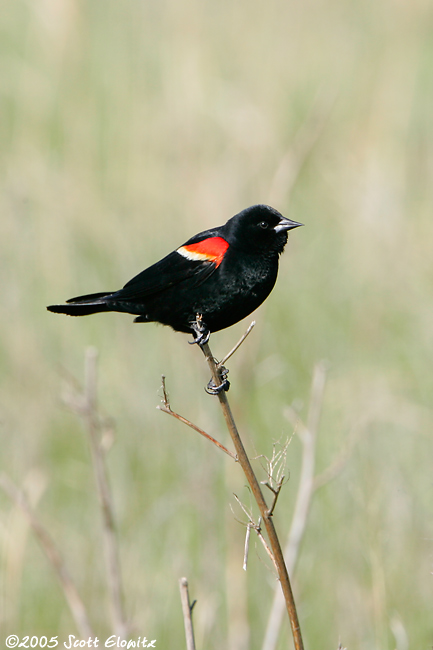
<point x="200" y="331"/>
<point x="213" y="389"/>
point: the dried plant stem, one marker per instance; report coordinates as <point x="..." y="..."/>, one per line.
<point x="73" y="599"/>
<point x="166" y="408"/>
<point x="238" y="344"/>
<point x="109" y="530"/>
<point x="258" y="496"/>
<point x="187" y="609"/>
<point x="257" y="527"/>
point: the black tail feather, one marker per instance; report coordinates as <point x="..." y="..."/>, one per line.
<point x="83" y="305"/>
<point x="91" y="297"/>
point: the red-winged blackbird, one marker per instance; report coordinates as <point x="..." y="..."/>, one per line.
<point x="220" y="276"/>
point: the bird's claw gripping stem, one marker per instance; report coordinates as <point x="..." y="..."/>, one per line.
<point x="201" y="337"/>
<point x="213" y="389"/>
<point x="200" y="331"/>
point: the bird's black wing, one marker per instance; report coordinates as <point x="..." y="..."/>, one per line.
<point x="171" y="270"/>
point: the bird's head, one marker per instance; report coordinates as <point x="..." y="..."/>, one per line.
<point x="259" y="228"/>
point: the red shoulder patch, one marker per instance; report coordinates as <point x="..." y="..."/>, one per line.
<point x="209" y="250"/>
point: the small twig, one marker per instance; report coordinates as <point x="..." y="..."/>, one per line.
<point x="245" y="510"/>
<point x="187" y="609"/>
<point x="276" y="491"/>
<point x="165" y="397"/>
<point x="257" y="527"/>
<point x="247" y="545"/>
<point x="275" y="465"/>
<point x="48" y="546"/>
<point x="167" y="409"/>
<point x="238" y="344"/>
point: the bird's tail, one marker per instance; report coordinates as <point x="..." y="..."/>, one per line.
<point x="84" y="305"/>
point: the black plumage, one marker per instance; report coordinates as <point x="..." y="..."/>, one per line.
<point x="221" y="275"/>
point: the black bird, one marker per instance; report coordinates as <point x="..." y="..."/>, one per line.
<point x="211" y="282"/>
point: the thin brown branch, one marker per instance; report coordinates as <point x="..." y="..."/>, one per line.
<point x="276" y="491"/>
<point x="257" y="493"/>
<point x="166" y="408"/>
<point x="187" y="618"/>
<point x="53" y="556"/>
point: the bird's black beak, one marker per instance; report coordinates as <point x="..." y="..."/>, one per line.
<point x="286" y="224"/>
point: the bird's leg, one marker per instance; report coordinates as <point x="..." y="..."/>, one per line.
<point x="200" y="331"/>
<point x="201" y="337"/>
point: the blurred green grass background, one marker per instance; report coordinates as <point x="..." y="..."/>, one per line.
<point x="125" y="128"/>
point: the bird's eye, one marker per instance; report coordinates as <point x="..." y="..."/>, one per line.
<point x="263" y="224"/>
